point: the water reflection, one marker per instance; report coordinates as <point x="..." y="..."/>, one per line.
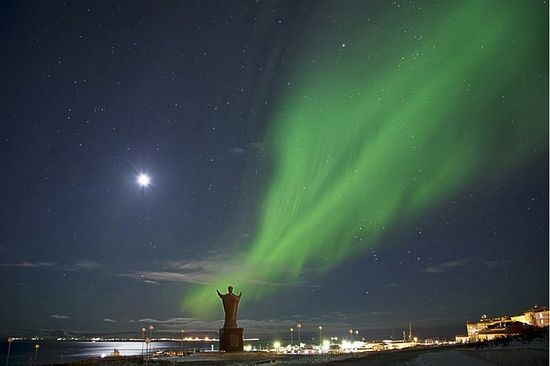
<point x="64" y="351"/>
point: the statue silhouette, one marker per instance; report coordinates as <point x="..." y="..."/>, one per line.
<point x="230" y="305"/>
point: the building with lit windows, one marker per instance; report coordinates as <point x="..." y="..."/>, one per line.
<point x="538" y="316"/>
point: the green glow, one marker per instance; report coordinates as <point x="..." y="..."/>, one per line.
<point x="389" y="125"/>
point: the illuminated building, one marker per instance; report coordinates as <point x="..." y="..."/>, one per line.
<point x="538" y="316"/>
<point x="503" y="330"/>
<point x="505" y="326"/>
<point x="462" y="338"/>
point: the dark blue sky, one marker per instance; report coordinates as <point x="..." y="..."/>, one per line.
<point x="94" y="93"/>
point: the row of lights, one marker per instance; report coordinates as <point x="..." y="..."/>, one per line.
<point x="351" y="332"/>
<point x="299" y="328"/>
<point x="148" y="340"/>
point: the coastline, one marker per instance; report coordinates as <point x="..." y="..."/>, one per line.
<point x="464" y="355"/>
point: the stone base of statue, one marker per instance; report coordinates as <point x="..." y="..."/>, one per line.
<point x="231" y="339"/>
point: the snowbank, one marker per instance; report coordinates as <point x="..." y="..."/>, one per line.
<point x="489" y="357"/>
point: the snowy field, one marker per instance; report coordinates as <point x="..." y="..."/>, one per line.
<point x="527" y="357"/>
<point x="444" y="356"/>
<point x="533" y="353"/>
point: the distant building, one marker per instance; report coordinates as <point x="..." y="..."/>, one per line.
<point x="462" y="338"/>
<point x="503" y="330"/>
<point x="505" y="326"/>
<point x="473" y="328"/>
<point x="538" y="316"/>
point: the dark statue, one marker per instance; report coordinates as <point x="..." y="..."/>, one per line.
<point x="231" y="337"/>
<point x="230" y="305"/>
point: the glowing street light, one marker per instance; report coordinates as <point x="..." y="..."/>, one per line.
<point x="36" y="347"/>
<point x="10" y="339"/>
<point x="357" y="335"/>
<point x="150" y="346"/>
<point x="291" y="337"/>
<point x="350" y="332"/>
<point x="299" y="326"/>
<point x="320" y="335"/>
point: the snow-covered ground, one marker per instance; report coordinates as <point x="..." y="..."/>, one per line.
<point x="499" y="357"/>
<point x="513" y="353"/>
<point x="446" y="358"/>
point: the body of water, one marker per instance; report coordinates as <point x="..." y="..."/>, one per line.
<point x="50" y="352"/>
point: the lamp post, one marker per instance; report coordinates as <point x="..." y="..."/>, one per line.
<point x="320" y="334"/>
<point x="299" y="326"/>
<point x="142" y="340"/>
<point x="350" y="332"/>
<point x="147" y="341"/>
<point x="291" y="337"/>
<point x="357" y="335"/>
<point x="150" y="338"/>
<point x="10" y="339"/>
<point x="36" y="347"/>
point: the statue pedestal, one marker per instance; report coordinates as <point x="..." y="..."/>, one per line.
<point x="231" y="339"/>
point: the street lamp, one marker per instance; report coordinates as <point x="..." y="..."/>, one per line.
<point x="299" y="326"/>
<point x="320" y="334"/>
<point x="350" y="332"/>
<point x="147" y="341"/>
<point x="150" y="338"/>
<point x="10" y="339"/>
<point x="36" y="347"/>
<point x="357" y="335"/>
<point x="291" y="337"/>
<point x="142" y="340"/>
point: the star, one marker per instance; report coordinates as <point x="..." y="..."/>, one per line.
<point x="143" y="180"/>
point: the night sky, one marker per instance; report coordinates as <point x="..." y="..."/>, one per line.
<point x="344" y="163"/>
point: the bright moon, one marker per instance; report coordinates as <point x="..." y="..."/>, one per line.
<point x="143" y="180"/>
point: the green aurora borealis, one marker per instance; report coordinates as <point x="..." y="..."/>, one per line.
<point x="378" y="125"/>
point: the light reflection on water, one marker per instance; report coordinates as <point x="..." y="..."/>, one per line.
<point x="22" y="352"/>
<point x="106" y="348"/>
